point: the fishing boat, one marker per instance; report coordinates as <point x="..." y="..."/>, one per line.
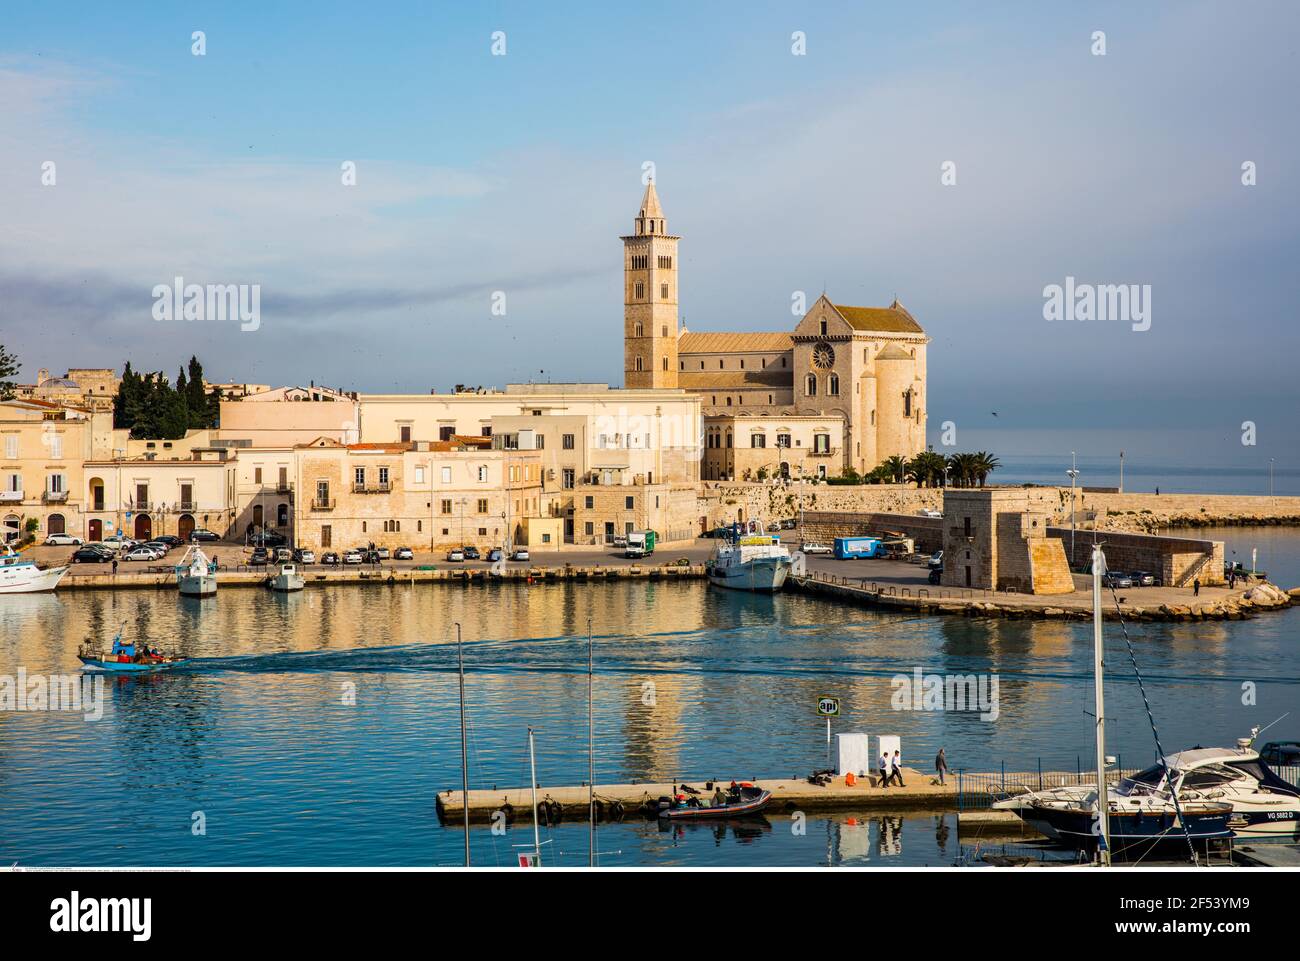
<point x="287" y="580"/>
<point x="20" y="575"/>
<point x="198" y="577"/>
<point x="741" y="800"/>
<point x="750" y="560"/>
<point x="123" y="657"/>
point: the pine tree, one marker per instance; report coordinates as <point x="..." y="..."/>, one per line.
<point x="8" y="368"/>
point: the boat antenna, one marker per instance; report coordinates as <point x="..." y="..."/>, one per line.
<point x="1255" y="732"/>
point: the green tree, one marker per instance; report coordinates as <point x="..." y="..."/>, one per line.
<point x="895" y="469"/>
<point x="8" y="368"/>
<point x="985" y="464"/>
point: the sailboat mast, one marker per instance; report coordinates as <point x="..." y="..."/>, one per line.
<point x="1098" y="669"/>
<point x="591" y="757"/>
<point x="464" y="754"/>
<point x="532" y="782"/>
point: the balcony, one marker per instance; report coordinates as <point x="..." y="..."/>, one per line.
<point x="139" y="505"/>
<point x="284" y="488"/>
<point x="827" y="452"/>
<point x="322" y="505"/>
<point x="382" y="488"/>
<point x="11" y="497"/>
<point x="186" y="507"/>
<point x="55" y="497"/>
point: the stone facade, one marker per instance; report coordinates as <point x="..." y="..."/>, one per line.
<point x="993" y="540"/>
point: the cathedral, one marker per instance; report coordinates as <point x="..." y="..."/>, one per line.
<point x="844" y="390"/>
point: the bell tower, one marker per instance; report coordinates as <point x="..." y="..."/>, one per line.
<point x="650" y="299"/>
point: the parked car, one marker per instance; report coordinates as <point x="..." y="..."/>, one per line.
<point x="142" y="554"/>
<point x="929" y="512"/>
<point x="118" y="541"/>
<point x="1143" y="579"/>
<point x="259" y="557"/>
<point x="495" y="555"/>
<point x="330" y="557"/>
<point x="520" y="555"/>
<point x="813" y="547"/>
<point x="283" y="555"/>
<point x="620" y="540"/>
<point x="788" y="524"/>
<point x="935" y="561"/>
<point x="264" y="538"/>
<point x="404" y="554"/>
<point x="352" y="557"/>
<point x="1116" y="579"/>
<point x="383" y="553"/>
<point x="304" y="556"/>
<point x="455" y="554"/>
<point x="63" y="540"/>
<point x="159" y="546"/>
<point x="471" y="553"/>
<point x="92" y="555"/>
<point x="203" y="534"/>
<point x="171" y="540"/>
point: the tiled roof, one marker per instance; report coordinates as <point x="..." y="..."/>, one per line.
<point x="893" y="319"/>
<point x="893" y="352"/>
<point x="722" y="343"/>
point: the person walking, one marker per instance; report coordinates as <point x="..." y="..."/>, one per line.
<point x="884" y="769"/>
<point x="115" y="567"/>
<point x="1196" y="588"/>
<point x="896" y="769"/>
<point x="940" y="765"/>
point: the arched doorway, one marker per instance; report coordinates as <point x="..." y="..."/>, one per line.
<point x="785" y="470"/>
<point x="96" y="494"/>
<point x="282" y="516"/>
<point x="185" y="526"/>
<point x="95" y="529"/>
<point x="257" y="516"/>
<point x="13" y="528"/>
<point x="143" y="527"/>
<point x="55" y="524"/>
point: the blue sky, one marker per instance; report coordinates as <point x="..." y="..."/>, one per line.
<point x="518" y="173"/>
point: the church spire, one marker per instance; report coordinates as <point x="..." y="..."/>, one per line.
<point x="650" y="220"/>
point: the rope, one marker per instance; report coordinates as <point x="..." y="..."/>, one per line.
<point x="1160" y="751"/>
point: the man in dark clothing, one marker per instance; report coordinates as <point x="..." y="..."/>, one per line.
<point x="884" y="769"/>
<point x="940" y="765"/>
<point x="1196" y="588"/>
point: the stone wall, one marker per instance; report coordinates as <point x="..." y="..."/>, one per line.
<point x="825" y="526"/>
<point x="1175" y="561"/>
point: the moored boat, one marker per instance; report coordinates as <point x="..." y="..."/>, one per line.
<point x="20" y="575"/>
<point x="198" y="577"/>
<point x="740" y="800"/>
<point x="750" y="561"/>
<point x="287" y="580"/>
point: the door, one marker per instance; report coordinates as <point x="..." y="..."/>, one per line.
<point x="55" y="524"/>
<point x="185" y="526"/>
<point x="326" y="536"/>
<point x="143" y="527"/>
<point x="95" y="530"/>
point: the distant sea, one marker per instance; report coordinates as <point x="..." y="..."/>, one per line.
<point x="1175" y="461"/>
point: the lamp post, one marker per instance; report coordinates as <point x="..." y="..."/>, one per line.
<point x="1121" y="472"/>
<point x="1073" y="472"/>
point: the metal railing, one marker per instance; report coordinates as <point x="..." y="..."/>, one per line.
<point x="322" y="505"/>
<point x="980" y="789"/>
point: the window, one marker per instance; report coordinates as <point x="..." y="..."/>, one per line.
<point x="566" y="441"/>
<point x="907" y="403"/>
<point x="56" y="446"/>
<point x="446" y="475"/>
<point x="638" y="363"/>
<point x="322" y="492"/>
<point x="589" y="503"/>
<point x="637" y="331"/>
<point x="419" y="474"/>
<point x="823" y="328"/>
<point x="383" y="476"/>
<point x="628" y="503"/>
<point x="482" y="505"/>
<point x="55" y="483"/>
<point x="482" y="473"/>
<point x="640" y="293"/>
<point x="810" y="385"/>
<point x="257" y="475"/>
<point x="358" y="476"/>
<point x="445" y="506"/>
<point x="539" y="442"/>
<point x="663" y="331"/>
<point x="665" y="363"/>
<point x="822" y="443"/>
<point x="757" y="440"/>
<point x="326" y="535"/>
<point x="569" y="478"/>
<point x="11" y="446"/>
<point x="663" y="291"/>
<point x="446" y="432"/>
<point x="782" y="440"/>
<point x="406" y="433"/>
<point x="833" y="385"/>
<point x="589" y="528"/>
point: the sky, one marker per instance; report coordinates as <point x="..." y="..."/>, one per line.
<point x="479" y="173"/>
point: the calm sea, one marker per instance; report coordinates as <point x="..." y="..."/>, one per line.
<point x="317" y="728"/>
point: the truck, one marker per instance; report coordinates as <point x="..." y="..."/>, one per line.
<point x="847" y="548"/>
<point x="640" y="544"/>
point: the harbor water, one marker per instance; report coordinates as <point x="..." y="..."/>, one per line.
<point x="316" y="728"/>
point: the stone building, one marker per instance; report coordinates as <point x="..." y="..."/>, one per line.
<point x="859" y="370"/>
<point x="994" y="540"/>
<point x="43" y="447"/>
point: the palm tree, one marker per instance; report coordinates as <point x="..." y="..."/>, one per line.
<point x="928" y="469"/>
<point x="896" y="468"/>
<point x="985" y="464"/>
<point x="961" y="468"/>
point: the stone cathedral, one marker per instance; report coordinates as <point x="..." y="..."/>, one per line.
<point x="844" y="389"/>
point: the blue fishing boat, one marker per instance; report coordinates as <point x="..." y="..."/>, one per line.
<point x="125" y="657"/>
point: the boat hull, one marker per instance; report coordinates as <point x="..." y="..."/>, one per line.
<point x="27" y="579"/>
<point x="1076" y="827"/>
<point x="764" y="575"/>
<point x="200" y="585"/>
<point x="125" y="667"/>
<point x="740" y="809"/>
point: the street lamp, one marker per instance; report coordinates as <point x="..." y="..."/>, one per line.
<point x="1073" y="472"/>
<point x="1121" y="472"/>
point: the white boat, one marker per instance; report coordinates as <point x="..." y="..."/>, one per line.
<point x="287" y="580"/>
<point x="750" y="561"/>
<point x="1263" y="804"/>
<point x="19" y="575"/>
<point x="198" y="577"/>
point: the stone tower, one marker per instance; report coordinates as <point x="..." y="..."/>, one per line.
<point x="650" y="299"/>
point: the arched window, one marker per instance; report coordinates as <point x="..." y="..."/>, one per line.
<point x="833" y="385"/>
<point x="638" y="363"/>
<point x="638" y="331"/>
<point x="810" y="385"/>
